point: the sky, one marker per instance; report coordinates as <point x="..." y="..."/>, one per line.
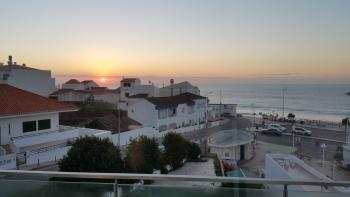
<point x="269" y="40"/>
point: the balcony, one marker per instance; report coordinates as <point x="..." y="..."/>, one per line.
<point x="13" y="184"/>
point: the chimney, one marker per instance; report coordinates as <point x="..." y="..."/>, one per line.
<point x="10" y="60"/>
<point x="171" y="87"/>
<point x="24" y="65"/>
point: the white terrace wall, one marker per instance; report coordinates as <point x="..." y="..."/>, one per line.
<point x="47" y="156"/>
<point x="8" y="162"/>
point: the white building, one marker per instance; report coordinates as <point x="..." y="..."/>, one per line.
<point x="215" y="111"/>
<point x="94" y="94"/>
<point x="133" y="86"/>
<point x="72" y="96"/>
<point x="26" y="78"/>
<point x="166" y="113"/>
<point x="178" y="88"/>
<point x="103" y="94"/>
<point x="28" y="123"/>
<point x="73" y="84"/>
<point x="89" y="84"/>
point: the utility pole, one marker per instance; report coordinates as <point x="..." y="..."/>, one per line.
<point x="283" y="97"/>
<point x="220" y="106"/>
<point x="119" y="120"/>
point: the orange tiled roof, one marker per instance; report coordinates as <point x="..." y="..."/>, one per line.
<point x="14" y="101"/>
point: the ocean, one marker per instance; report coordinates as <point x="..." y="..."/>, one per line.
<point x="307" y="101"/>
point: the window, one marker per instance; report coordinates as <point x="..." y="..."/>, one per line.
<point x="44" y="124"/>
<point x="126" y="85"/>
<point x="29" y="126"/>
<point x="127" y="94"/>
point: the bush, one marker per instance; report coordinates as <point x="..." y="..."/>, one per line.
<point x="91" y="154"/>
<point x="143" y="155"/>
<point x="217" y="166"/>
<point x="175" y="149"/>
<point x="193" y="151"/>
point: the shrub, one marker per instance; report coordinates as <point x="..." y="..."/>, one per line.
<point x="193" y="151"/>
<point x="143" y="155"/>
<point x="175" y="149"/>
<point x="91" y="154"/>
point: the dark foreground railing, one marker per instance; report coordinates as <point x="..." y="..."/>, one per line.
<point x="183" y="178"/>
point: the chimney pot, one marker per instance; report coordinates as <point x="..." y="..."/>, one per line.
<point x="10" y="60"/>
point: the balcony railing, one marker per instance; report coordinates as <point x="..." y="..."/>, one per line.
<point x="60" y="129"/>
<point x="10" y="187"/>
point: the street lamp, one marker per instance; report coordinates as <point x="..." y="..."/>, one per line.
<point x="323" y="146"/>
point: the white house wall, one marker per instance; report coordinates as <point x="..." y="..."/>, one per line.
<point x="143" y="112"/>
<point x="16" y="128"/>
<point x="36" y="81"/>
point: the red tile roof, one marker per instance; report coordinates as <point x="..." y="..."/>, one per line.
<point x="128" y="80"/>
<point x="87" y="81"/>
<point x="72" y="81"/>
<point x="139" y="96"/>
<point x="15" y="101"/>
<point x="174" y="100"/>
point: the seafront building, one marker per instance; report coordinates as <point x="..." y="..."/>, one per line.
<point x="178" y="88"/>
<point x="31" y="79"/>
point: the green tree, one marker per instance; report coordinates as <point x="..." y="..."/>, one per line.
<point x="143" y="155"/>
<point x="175" y="149"/>
<point x="193" y="151"/>
<point x="91" y="154"/>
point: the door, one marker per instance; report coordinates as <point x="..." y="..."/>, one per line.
<point x="242" y="153"/>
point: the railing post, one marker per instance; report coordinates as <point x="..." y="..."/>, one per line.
<point x="115" y="188"/>
<point x="285" y="191"/>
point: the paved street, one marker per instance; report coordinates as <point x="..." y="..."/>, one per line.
<point x="307" y="146"/>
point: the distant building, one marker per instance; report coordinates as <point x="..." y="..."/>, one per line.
<point x="216" y="111"/>
<point x="28" y="122"/>
<point x="178" y="88"/>
<point x="132" y="86"/>
<point x="72" y="96"/>
<point x="89" y="84"/>
<point x="93" y="94"/>
<point x="165" y="113"/>
<point x="26" y="78"/>
<point x="77" y="85"/>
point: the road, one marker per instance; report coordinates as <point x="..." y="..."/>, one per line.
<point x="310" y="146"/>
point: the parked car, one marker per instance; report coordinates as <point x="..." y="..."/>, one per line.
<point x="272" y="131"/>
<point x="277" y="126"/>
<point x="301" y="131"/>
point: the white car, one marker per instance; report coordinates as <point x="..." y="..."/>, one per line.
<point x="301" y="131"/>
<point x="277" y="127"/>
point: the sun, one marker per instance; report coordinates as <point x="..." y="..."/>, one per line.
<point x="102" y="79"/>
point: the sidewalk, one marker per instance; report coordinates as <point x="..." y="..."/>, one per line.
<point x="340" y="174"/>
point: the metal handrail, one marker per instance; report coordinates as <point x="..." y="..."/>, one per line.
<point x="157" y="177"/>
